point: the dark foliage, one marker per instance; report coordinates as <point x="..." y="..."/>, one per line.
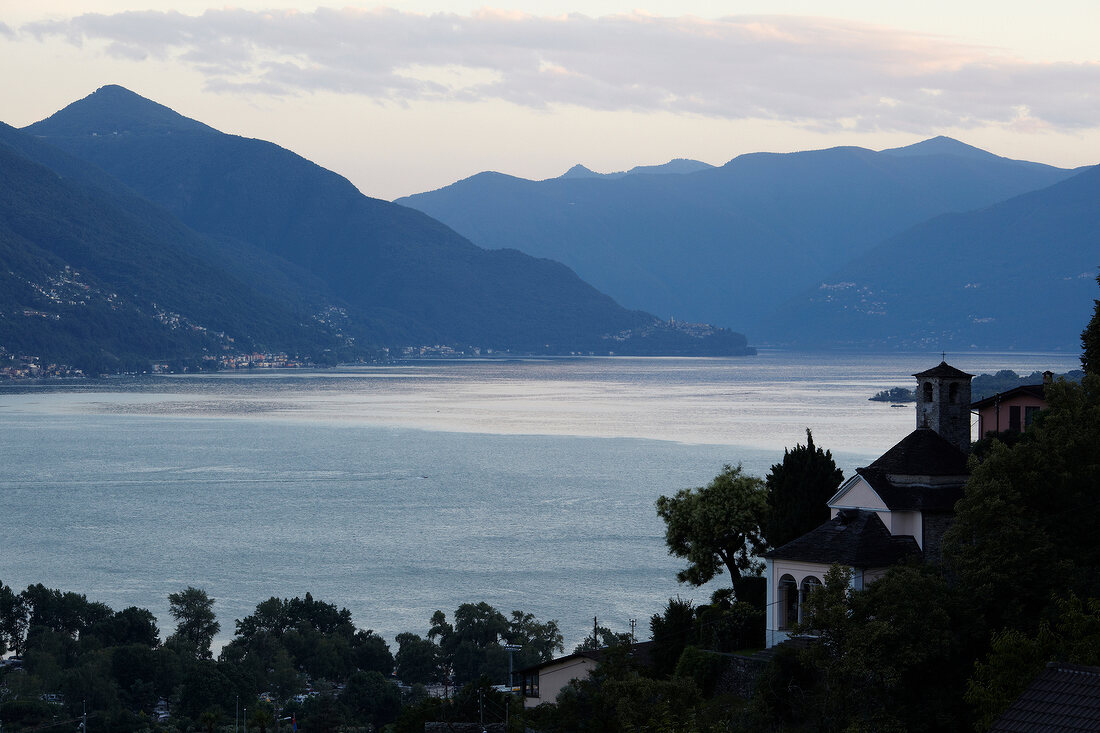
<point x="797" y="491"/>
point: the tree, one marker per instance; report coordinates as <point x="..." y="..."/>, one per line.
<point x="373" y="698"/>
<point x="672" y="631"/>
<point x="13" y="619"/>
<point x="1025" y="527"/>
<point x="539" y="641"/>
<point x="131" y="625"/>
<point x="716" y="526"/>
<point x="1016" y="658"/>
<point x="417" y="659"/>
<point x="602" y="637"/>
<point x="797" y="490"/>
<point x="1090" y="340"/>
<point x="886" y="658"/>
<point x="197" y="625"/>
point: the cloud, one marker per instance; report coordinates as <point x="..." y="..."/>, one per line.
<point x="815" y="72"/>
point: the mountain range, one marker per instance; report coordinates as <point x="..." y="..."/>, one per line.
<point x="763" y="240"/>
<point x="190" y="243"/>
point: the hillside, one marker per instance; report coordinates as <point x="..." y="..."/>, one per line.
<point x="101" y="280"/>
<point x="410" y="279"/>
<point x="1016" y="275"/>
<point x="728" y="244"/>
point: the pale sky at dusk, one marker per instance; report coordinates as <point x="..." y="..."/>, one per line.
<point x="414" y="94"/>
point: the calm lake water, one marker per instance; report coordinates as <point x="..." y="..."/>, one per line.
<point x="399" y="490"/>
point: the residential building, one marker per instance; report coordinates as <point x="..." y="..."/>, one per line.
<point x="897" y="507"/>
<point x="1011" y="410"/>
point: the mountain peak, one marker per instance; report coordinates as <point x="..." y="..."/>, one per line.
<point x="579" y="171"/>
<point x="113" y="110"/>
<point x="942" y="145"/>
<point x="676" y="166"/>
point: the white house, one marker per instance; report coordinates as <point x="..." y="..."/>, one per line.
<point x="897" y="507"/>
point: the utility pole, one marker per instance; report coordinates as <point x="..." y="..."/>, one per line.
<point x="236" y="714"/>
<point x="595" y="633"/>
<point x="633" y="623"/>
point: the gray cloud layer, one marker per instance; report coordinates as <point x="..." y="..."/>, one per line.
<point x="811" y="71"/>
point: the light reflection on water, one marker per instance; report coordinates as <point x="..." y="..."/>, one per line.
<point x="400" y="490"/>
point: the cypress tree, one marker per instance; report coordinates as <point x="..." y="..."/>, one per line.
<point x="797" y="490"/>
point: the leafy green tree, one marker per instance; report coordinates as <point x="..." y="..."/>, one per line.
<point x="371" y="652"/>
<point x="1025" y="527"/>
<point x="797" y="489"/>
<point x="13" y="619"/>
<point x="888" y="657"/>
<point x="1016" y="658"/>
<point x="196" y="624"/>
<point x="602" y="637"/>
<point x="671" y="632"/>
<point x="372" y="698"/>
<point x="538" y="641"/>
<point x="209" y="718"/>
<point x="717" y="526"/>
<point x="64" y="612"/>
<point x="261" y="718"/>
<point x="1090" y="340"/>
<point x="131" y="625"/>
<point x="417" y="659"/>
<point x="473" y="646"/>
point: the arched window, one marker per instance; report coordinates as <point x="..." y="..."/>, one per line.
<point x="809" y="585"/>
<point x="787" y="602"/>
<point x="953" y="392"/>
<point x="927" y="391"/>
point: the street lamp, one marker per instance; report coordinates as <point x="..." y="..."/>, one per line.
<point x="511" y="648"/>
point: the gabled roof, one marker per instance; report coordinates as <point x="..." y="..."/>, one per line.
<point x="1064" y="697"/>
<point x="640" y="653"/>
<point x="1039" y="391"/>
<point x="854" y="537"/>
<point x="919" y="497"/>
<point x="943" y="370"/>
<point x="922" y="452"/>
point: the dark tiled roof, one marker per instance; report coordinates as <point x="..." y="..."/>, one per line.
<point x="1064" y="697"/>
<point x="1038" y="391"/>
<point x="855" y="537"/>
<point x="640" y="653"/>
<point x="922" y="453"/>
<point x="943" y="370"/>
<point x="940" y="498"/>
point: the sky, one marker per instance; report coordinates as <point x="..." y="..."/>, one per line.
<point x="412" y="95"/>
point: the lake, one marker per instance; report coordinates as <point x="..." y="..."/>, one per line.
<point x="399" y="490"/>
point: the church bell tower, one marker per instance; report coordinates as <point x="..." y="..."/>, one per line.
<point x="943" y="403"/>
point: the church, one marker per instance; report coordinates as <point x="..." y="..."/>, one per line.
<point x="896" y="508"/>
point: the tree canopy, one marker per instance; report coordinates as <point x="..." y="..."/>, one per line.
<point x="716" y="527"/>
<point x="797" y="489"/>
<point x="1090" y="340"/>
<point x="196" y="624"/>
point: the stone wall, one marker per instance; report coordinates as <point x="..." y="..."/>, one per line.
<point x="934" y="527"/>
<point x="739" y="677"/>
<point x="463" y="728"/>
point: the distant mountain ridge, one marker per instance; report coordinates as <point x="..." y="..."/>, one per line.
<point x="1015" y="275"/>
<point x="300" y="242"/>
<point x="676" y="166"/>
<point x="731" y="244"/>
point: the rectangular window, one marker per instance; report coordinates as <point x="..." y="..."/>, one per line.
<point x="1029" y="415"/>
<point x="531" y="684"/>
<point x="1014" y="418"/>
